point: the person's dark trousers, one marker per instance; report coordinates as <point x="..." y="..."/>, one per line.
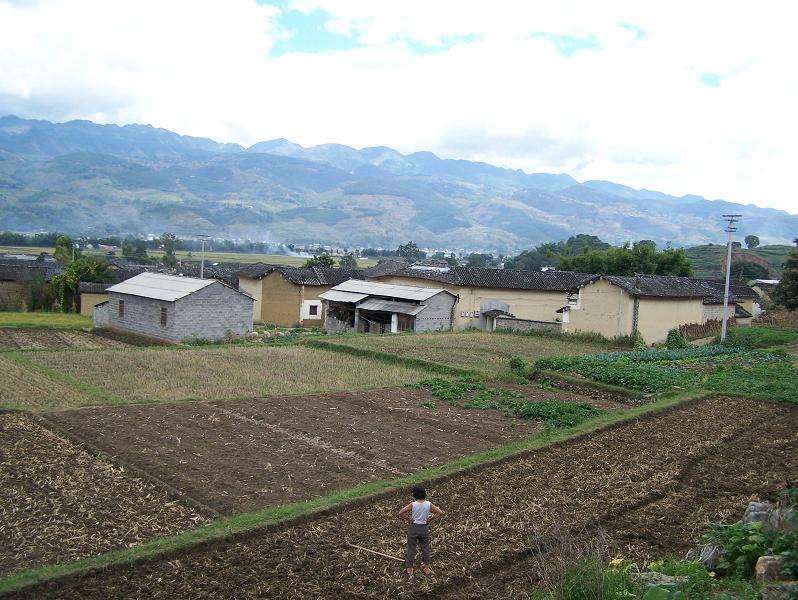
<point x="417" y="535"/>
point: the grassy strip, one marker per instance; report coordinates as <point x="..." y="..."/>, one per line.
<point x="589" y="383"/>
<point x="393" y="359"/>
<point x="37" y="320"/>
<point x="283" y="515"/>
<point x="104" y="396"/>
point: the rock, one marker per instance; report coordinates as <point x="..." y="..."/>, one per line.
<point x="252" y="335"/>
<point x="707" y="555"/>
<point x="786" y="590"/>
<point x="769" y="568"/>
<point x="773" y="518"/>
<point x="652" y="578"/>
<point x="758" y="512"/>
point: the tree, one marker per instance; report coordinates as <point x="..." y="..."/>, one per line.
<point x="410" y="252"/>
<point x="481" y="260"/>
<point x="169" y="242"/>
<point x="744" y="270"/>
<point x="39" y="295"/>
<point x="348" y="261"/>
<point x="786" y="292"/>
<point x="135" y="249"/>
<point x="65" y="249"/>
<point x="529" y="260"/>
<point x="751" y="241"/>
<point x="625" y="260"/>
<point x="87" y="268"/>
<point x="320" y="260"/>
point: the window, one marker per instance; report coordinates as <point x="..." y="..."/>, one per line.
<point x="313" y="310"/>
<point x="163" y="316"/>
<point x="121" y="308"/>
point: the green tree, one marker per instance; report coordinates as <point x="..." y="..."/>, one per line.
<point x="348" y="261"/>
<point x="786" y="292"/>
<point x="169" y="242"/>
<point x="135" y="249"/>
<point x="751" y="241"/>
<point x="481" y="260"/>
<point x="529" y="260"/>
<point x="410" y="252"/>
<point x="65" y="249"/>
<point x="65" y="285"/>
<point x="320" y="260"/>
<point x="39" y="295"/>
<point x="626" y="260"/>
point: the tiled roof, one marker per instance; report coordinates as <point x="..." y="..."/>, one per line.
<point x="556" y="281"/>
<point x="385" y="267"/>
<point x="27" y="270"/>
<point x="300" y="275"/>
<point x="736" y="289"/>
<point x="661" y="286"/>
<point x="90" y="287"/>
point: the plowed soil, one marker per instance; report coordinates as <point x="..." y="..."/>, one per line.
<point x="58" y="503"/>
<point x="240" y="456"/>
<point x="653" y="484"/>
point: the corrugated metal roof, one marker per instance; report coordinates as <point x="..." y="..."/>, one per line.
<point x="404" y="308"/>
<point x="338" y="296"/>
<point x="160" y="286"/>
<point x="373" y="288"/>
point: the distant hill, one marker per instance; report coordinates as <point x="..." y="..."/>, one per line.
<point x="709" y="260"/>
<point x="83" y="177"/>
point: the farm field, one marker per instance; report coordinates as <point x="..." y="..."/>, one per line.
<point x="59" y="503"/>
<point x="218" y="373"/>
<point x="653" y="483"/>
<point x="488" y="352"/>
<point x="23" y="387"/>
<point x="241" y="456"/>
<point x="12" y="338"/>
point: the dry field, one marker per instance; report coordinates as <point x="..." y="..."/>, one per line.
<point x="25" y="387"/>
<point x="58" y="503"/>
<point x="653" y="484"/>
<point x="238" y="456"/>
<point x="175" y="374"/>
<point x="39" y="339"/>
<point x="488" y="352"/>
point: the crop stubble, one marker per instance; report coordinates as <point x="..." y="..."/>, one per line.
<point x="58" y="503"/>
<point x="636" y="479"/>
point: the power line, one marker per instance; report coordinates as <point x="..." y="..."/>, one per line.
<point x="731" y="222"/>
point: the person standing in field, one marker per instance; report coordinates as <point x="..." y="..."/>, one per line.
<point x="417" y="515"/>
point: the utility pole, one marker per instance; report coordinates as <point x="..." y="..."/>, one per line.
<point x="203" y="237"/>
<point x="731" y="221"/>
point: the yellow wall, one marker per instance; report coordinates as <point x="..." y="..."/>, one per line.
<point x="603" y="308"/>
<point x="524" y="304"/>
<point x="658" y="315"/>
<point x="280" y="300"/>
<point x="89" y="301"/>
<point x="253" y="287"/>
<point x="14" y="294"/>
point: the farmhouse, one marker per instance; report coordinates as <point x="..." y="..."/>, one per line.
<point x="484" y="295"/>
<point x="172" y="308"/>
<point x="372" y="307"/>
<point x="289" y="296"/>
<point x="650" y="305"/>
<point x="91" y="294"/>
<point x="16" y="276"/>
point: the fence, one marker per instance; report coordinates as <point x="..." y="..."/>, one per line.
<point x="693" y="331"/>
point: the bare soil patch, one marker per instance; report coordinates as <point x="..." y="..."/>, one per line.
<point x="239" y="456"/>
<point x="58" y="503"/>
<point x="25" y="387"/>
<point x="53" y="339"/>
<point x="639" y="480"/>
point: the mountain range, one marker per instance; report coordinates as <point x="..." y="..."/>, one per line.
<point x="82" y="177"/>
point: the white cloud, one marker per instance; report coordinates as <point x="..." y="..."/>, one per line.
<point x="633" y="111"/>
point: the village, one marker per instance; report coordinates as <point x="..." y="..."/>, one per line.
<point x="204" y="415"/>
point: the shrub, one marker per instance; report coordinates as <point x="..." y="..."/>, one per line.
<point x="675" y="340"/>
<point x="519" y="366"/>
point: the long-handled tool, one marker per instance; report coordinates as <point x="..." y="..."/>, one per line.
<point x="375" y="552"/>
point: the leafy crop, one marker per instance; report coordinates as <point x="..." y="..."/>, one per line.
<point x="449" y="391"/>
<point x="777" y="380"/>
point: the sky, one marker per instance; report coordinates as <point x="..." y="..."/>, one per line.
<point x="676" y="96"/>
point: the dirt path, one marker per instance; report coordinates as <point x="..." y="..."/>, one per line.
<point x="653" y="484"/>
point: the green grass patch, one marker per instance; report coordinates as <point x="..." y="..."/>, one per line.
<point x="773" y="381"/>
<point x="760" y="337"/>
<point x="51" y="320"/>
<point x="225" y="527"/>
